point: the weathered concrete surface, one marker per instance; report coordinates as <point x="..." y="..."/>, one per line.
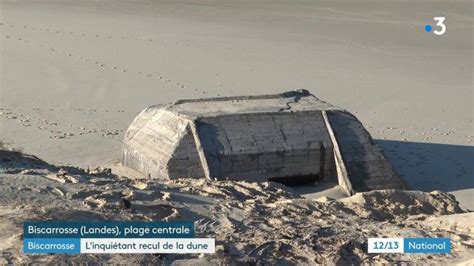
<point x="258" y="146"/>
<point x="160" y="144"/>
<point x="366" y="166"/>
<point x="257" y="138"/>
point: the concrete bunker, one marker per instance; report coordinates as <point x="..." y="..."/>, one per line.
<point x="291" y="137"/>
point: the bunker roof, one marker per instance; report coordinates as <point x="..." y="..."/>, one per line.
<point x="293" y="101"/>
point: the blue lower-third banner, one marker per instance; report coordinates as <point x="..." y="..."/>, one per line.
<point x="60" y="237"/>
<point x="409" y="245"/>
<point x="118" y="245"/>
<point x="52" y="245"/>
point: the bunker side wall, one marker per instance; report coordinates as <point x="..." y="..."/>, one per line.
<point x="151" y="141"/>
<point x="367" y="168"/>
<point x="185" y="161"/>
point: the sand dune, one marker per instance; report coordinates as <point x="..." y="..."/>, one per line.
<point x="252" y="222"/>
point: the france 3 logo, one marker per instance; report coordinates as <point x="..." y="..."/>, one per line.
<point x="440" y="26"/>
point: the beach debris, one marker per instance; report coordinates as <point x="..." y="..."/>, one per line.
<point x="55" y="190"/>
<point x="140" y="184"/>
<point x="93" y="202"/>
<point x="125" y="203"/>
<point x="99" y="171"/>
<point x="56" y="177"/>
<point x="128" y="193"/>
<point x="32" y="189"/>
<point x="63" y="176"/>
<point x="172" y="216"/>
<point x="81" y="194"/>
<point x="71" y="179"/>
<point x="28" y="172"/>
<point x="166" y="196"/>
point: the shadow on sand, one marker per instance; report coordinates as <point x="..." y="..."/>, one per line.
<point x="428" y="166"/>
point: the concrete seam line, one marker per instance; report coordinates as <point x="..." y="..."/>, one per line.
<point x="342" y="175"/>
<point x="200" y="150"/>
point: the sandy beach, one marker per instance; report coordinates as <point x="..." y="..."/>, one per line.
<point x="74" y="74"/>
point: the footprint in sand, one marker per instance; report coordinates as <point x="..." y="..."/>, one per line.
<point x="53" y="49"/>
<point x="46" y="125"/>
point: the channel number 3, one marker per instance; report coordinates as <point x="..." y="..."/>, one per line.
<point x="440" y="24"/>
